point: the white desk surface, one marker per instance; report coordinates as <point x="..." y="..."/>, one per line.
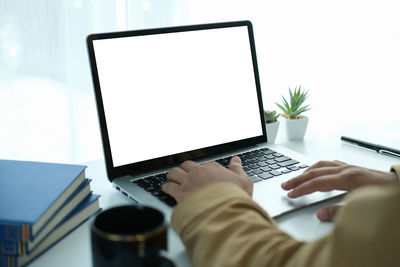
<point x="320" y="143"/>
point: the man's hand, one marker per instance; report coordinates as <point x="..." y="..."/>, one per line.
<point x="183" y="180"/>
<point x="329" y="175"/>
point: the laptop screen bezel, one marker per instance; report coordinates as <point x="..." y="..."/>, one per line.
<point x="170" y="160"/>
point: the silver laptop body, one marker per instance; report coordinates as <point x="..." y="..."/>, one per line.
<point x="186" y="93"/>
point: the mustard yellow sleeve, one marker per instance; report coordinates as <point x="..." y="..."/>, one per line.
<point x="396" y="169"/>
<point x="221" y="225"/>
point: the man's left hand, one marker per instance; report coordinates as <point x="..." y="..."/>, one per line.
<point x="183" y="180"/>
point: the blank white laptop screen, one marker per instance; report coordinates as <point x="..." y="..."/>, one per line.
<point x="174" y="92"/>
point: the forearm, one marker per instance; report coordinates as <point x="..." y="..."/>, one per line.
<point x="221" y="226"/>
<point x="234" y="231"/>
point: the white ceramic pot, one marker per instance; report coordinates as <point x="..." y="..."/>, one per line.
<point x="272" y="131"/>
<point x="296" y="128"/>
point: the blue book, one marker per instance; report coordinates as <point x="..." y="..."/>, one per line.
<point x="30" y="194"/>
<point x="22" y="248"/>
<point x="80" y="214"/>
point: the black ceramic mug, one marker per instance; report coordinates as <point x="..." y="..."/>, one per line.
<point x="129" y="236"/>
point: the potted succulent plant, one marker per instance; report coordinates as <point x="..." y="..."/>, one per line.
<point x="296" y="123"/>
<point x="271" y="124"/>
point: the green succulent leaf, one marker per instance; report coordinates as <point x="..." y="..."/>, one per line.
<point x="284" y="110"/>
<point x="270" y="116"/>
<point x="296" y="99"/>
<point x="287" y="106"/>
<point x="292" y="97"/>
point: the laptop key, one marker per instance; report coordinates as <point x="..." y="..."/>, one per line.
<point x="267" y="152"/>
<point x="246" y="169"/>
<point x="261" y="158"/>
<point x="270" y="156"/>
<point x="262" y="164"/>
<point x="153" y="182"/>
<point x="142" y="183"/>
<point x="250" y="173"/>
<point x="275" y="173"/>
<point x="293" y="168"/>
<point x="265" y="169"/>
<point x="255" y="178"/>
<point x="151" y="188"/>
<point x="163" y="196"/>
<point x="265" y="175"/>
<point x="170" y="201"/>
<point x="281" y="159"/>
<point x="257" y="153"/>
<point x="246" y="162"/>
<point x="167" y="199"/>
<point x="275" y="166"/>
<point x="257" y="171"/>
<point x="270" y="161"/>
<point x="156" y="193"/>
<point x="253" y="166"/>
<point x="288" y="163"/>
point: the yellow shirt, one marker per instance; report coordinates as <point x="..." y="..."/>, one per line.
<point x="221" y="225"/>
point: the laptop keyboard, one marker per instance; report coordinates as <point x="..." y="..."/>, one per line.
<point x="264" y="164"/>
<point x="261" y="164"/>
<point x="152" y="184"/>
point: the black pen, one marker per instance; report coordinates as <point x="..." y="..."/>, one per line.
<point x="378" y="148"/>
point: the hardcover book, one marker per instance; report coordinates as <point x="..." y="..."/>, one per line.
<point x="21" y="248"/>
<point x="31" y="193"/>
<point x="81" y="213"/>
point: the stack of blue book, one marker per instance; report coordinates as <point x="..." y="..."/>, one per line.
<point x="40" y="203"/>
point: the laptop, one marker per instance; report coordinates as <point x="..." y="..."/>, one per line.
<point x="167" y="95"/>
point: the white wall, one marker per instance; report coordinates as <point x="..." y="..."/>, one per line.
<point x="346" y="53"/>
<point x="47" y="108"/>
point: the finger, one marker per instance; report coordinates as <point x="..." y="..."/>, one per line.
<point x="322" y="184"/>
<point x="235" y="165"/>
<point x="340" y="162"/>
<point x="176" y="175"/>
<point x="172" y="189"/>
<point x="327" y="214"/>
<point x="309" y="175"/>
<point x="292" y="183"/>
<point x="189" y="165"/>
<point x="325" y="163"/>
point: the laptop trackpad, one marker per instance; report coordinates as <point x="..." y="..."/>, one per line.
<point x="271" y="197"/>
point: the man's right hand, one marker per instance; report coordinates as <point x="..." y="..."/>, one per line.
<point x="330" y="175"/>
